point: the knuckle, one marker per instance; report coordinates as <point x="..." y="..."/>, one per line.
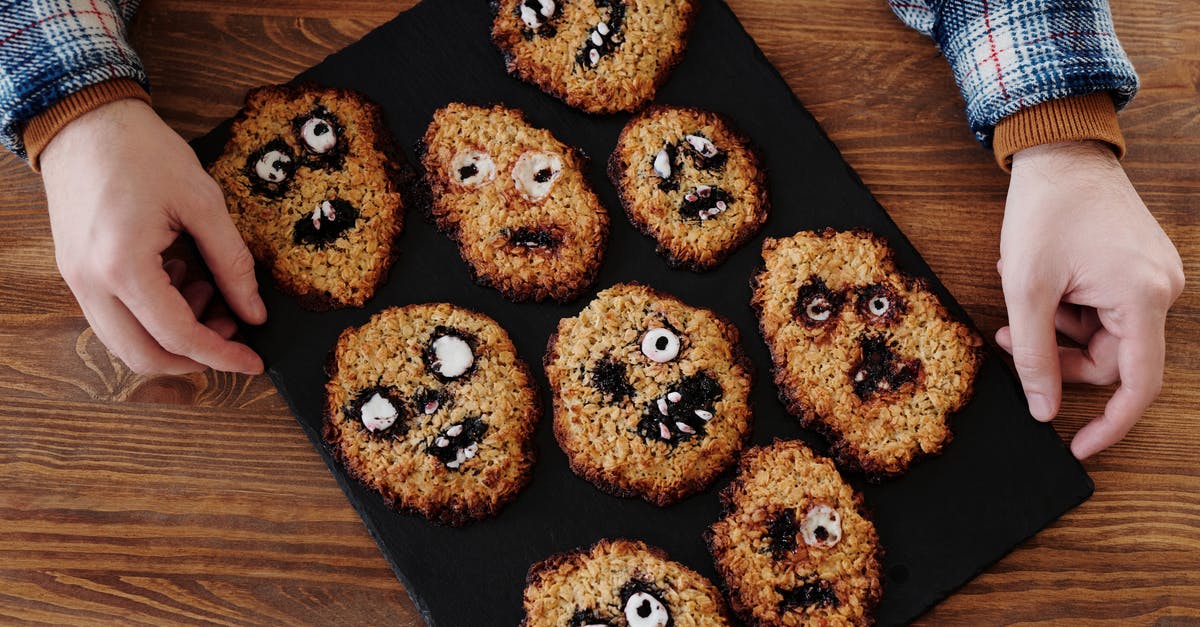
<point x="1033" y="361"/>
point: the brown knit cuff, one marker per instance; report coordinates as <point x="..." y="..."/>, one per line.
<point x="1076" y="118"/>
<point x="41" y="128"/>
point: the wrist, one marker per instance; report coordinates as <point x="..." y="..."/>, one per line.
<point x="1074" y="118"/>
<point x="1068" y="155"/>
<point x="40" y="130"/>
<point x="88" y="131"/>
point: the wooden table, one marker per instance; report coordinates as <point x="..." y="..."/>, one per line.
<point x="197" y="498"/>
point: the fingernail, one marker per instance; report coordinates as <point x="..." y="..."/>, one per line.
<point x="1040" y="406"/>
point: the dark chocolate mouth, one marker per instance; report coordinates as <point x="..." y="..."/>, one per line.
<point x="683" y="412"/>
<point x="532" y="238"/>
<point x="458" y="442"/>
<point x="881" y="370"/>
<point x="328" y="222"/>
<point x="814" y="593"/>
<point x="605" y="37"/>
<point x="705" y="202"/>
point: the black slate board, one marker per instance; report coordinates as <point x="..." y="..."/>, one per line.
<point x="1003" y="478"/>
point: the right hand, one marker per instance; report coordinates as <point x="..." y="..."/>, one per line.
<point x="121" y="186"/>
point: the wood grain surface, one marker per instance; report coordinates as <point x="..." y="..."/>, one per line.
<point x="198" y="499"/>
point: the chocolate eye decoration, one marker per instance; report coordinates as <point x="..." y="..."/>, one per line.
<point x="535" y="173"/>
<point x="534" y="12"/>
<point x="816" y="304"/>
<point x="472" y="168"/>
<point x="449" y="355"/>
<point x="702" y="145"/>
<point x="379" y="410"/>
<point x="660" y="345"/>
<point x="645" y="610"/>
<point x="270" y="167"/>
<point x="822" y="527"/>
<point x="879" y="302"/>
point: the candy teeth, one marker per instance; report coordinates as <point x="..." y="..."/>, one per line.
<point x="431" y="407"/>
<point x="662" y="406"/>
<point x="685" y="427"/>
<point x="704" y="415"/>
<point x="674" y="397"/>
<point x="594" y="56"/>
<point x="662" y="164"/>
<point x="664" y="431"/>
<point x="442" y="442"/>
<point x="454" y="431"/>
<point x="602" y="28"/>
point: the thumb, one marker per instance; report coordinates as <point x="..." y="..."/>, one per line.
<point x="1031" y="340"/>
<point x="222" y="248"/>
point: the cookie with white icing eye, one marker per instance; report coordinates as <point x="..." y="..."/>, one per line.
<point x="430" y="406"/>
<point x="862" y="353"/>
<point x="515" y="200"/>
<point x="312" y="181"/>
<point x="651" y="395"/>
<point x="691" y="182"/>
<point x="619" y="583"/>
<point x="601" y="56"/>
<point x="794" y="544"/>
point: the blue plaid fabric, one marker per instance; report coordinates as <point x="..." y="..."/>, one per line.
<point x="50" y="49"/>
<point x="1009" y="55"/>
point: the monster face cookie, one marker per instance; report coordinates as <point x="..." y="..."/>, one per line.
<point x="619" y="583"/>
<point x="862" y="353"/>
<point x="516" y="201"/>
<point x="691" y="182"/>
<point x="650" y="394"/>
<point x="794" y="546"/>
<point x="430" y="406"/>
<point x="601" y="56"/>
<point x="311" y="179"/>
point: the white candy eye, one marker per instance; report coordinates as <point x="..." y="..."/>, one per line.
<point x="535" y="173"/>
<point x="472" y="168"/>
<point x="643" y="610"/>
<point x="273" y="166"/>
<point x="879" y="305"/>
<point x="378" y="413"/>
<point x="318" y="135"/>
<point x="660" y="345"/>
<point x="818" y="309"/>
<point x="532" y="12"/>
<point x="822" y="527"/>
<point x="450" y="356"/>
<point x="701" y="145"/>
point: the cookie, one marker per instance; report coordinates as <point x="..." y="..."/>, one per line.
<point x="515" y="200"/>
<point x="690" y="181"/>
<point x="312" y="181"/>
<point x="601" y="56"/>
<point x="430" y="406"/>
<point x="862" y="353"/>
<point x="619" y="582"/>
<point x="794" y="545"/>
<point x="651" y="396"/>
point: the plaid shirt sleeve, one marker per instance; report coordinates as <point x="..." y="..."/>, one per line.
<point x="50" y="49"/>
<point x="1009" y="55"/>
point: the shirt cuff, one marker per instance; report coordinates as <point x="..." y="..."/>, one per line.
<point x="1075" y="118"/>
<point x="41" y="128"/>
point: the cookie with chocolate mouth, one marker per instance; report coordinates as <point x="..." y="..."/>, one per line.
<point x="601" y="56"/>
<point x="515" y="200"/>
<point x="430" y="406"/>
<point x="619" y="582"/>
<point x="651" y="395"/>
<point x="692" y="182"/>
<point x="312" y="181"/>
<point x="862" y="353"/>
<point x="794" y="544"/>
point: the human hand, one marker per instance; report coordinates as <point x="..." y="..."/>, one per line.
<point x="1080" y="253"/>
<point x="121" y="186"/>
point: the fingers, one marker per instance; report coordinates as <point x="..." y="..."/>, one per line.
<point x="1097" y="364"/>
<point x="117" y="329"/>
<point x="1077" y="323"/>
<point x="1140" y="358"/>
<point x="1034" y="347"/>
<point x="167" y="316"/>
<point x="225" y="253"/>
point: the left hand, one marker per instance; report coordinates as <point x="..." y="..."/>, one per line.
<point x="1080" y="253"/>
